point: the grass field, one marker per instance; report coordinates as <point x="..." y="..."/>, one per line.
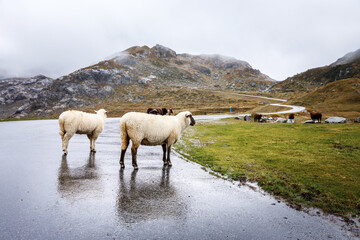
<point x="315" y="165"/>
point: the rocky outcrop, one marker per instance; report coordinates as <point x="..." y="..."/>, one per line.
<point x="281" y="120"/>
<point x="335" y="120"/>
<point x="16" y="94"/>
<point x="247" y="118"/>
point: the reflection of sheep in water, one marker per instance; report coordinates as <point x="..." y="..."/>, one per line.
<point x="151" y="130"/>
<point x="151" y="198"/>
<point x="78" y="122"/>
<point x="73" y="182"/>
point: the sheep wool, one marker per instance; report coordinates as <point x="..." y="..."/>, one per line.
<point x="76" y="122"/>
<point x="151" y="130"/>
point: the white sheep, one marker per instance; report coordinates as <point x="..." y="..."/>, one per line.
<point x="78" y="122"/>
<point x="151" y="130"/>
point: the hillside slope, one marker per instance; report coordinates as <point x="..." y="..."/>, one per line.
<point x="345" y="67"/>
<point x="341" y="97"/>
<point x="135" y="77"/>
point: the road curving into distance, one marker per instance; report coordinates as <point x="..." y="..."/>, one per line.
<point x="293" y="109"/>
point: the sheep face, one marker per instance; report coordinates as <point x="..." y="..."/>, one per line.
<point x="189" y="118"/>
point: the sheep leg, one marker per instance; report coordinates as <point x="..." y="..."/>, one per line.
<point x="134" y="148"/>
<point x="93" y="144"/>
<point x="65" y="142"/>
<point x="122" y="165"/>
<point x="168" y="155"/>
<point x="164" y="153"/>
<point x="91" y="141"/>
<point x="124" y="146"/>
<point x="94" y="138"/>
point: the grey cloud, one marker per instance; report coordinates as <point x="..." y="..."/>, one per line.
<point x="281" y="38"/>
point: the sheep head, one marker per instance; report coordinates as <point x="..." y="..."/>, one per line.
<point x="189" y="118"/>
<point x="102" y="112"/>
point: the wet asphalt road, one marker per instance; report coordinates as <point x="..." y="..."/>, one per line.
<point x="44" y="195"/>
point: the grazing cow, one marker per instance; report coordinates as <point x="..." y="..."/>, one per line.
<point x="159" y="111"/>
<point x="291" y="117"/>
<point x="257" y="117"/>
<point x="316" y="116"/>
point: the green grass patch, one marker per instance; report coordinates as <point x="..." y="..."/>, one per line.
<point x="316" y="165"/>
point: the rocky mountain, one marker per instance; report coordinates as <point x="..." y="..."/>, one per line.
<point x="348" y="58"/>
<point x="133" y="76"/>
<point x="345" y="67"/>
<point x="16" y="94"/>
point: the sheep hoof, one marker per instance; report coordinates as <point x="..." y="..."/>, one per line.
<point x="122" y="166"/>
<point x="170" y="164"/>
<point x="165" y="163"/>
<point x="136" y="168"/>
<point x="65" y="152"/>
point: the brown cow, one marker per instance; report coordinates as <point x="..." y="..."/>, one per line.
<point x="257" y="117"/>
<point x="316" y="116"/>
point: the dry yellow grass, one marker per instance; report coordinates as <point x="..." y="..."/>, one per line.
<point x="340" y="98"/>
<point x="198" y="101"/>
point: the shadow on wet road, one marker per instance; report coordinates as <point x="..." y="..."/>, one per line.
<point x="45" y="195"/>
<point x="140" y="200"/>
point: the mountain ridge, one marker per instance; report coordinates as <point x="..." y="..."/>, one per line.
<point x="346" y="67"/>
<point x="157" y="69"/>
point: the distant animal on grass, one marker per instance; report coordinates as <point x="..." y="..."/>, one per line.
<point x="257" y="117"/>
<point x="291" y="117"/>
<point x="316" y="116"/>
<point x="76" y="122"/>
<point x="159" y="111"/>
<point x="152" y="130"/>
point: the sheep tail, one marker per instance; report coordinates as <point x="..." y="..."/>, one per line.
<point x="62" y="128"/>
<point x="123" y="133"/>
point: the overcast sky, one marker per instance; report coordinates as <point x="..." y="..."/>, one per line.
<point x="280" y="38"/>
